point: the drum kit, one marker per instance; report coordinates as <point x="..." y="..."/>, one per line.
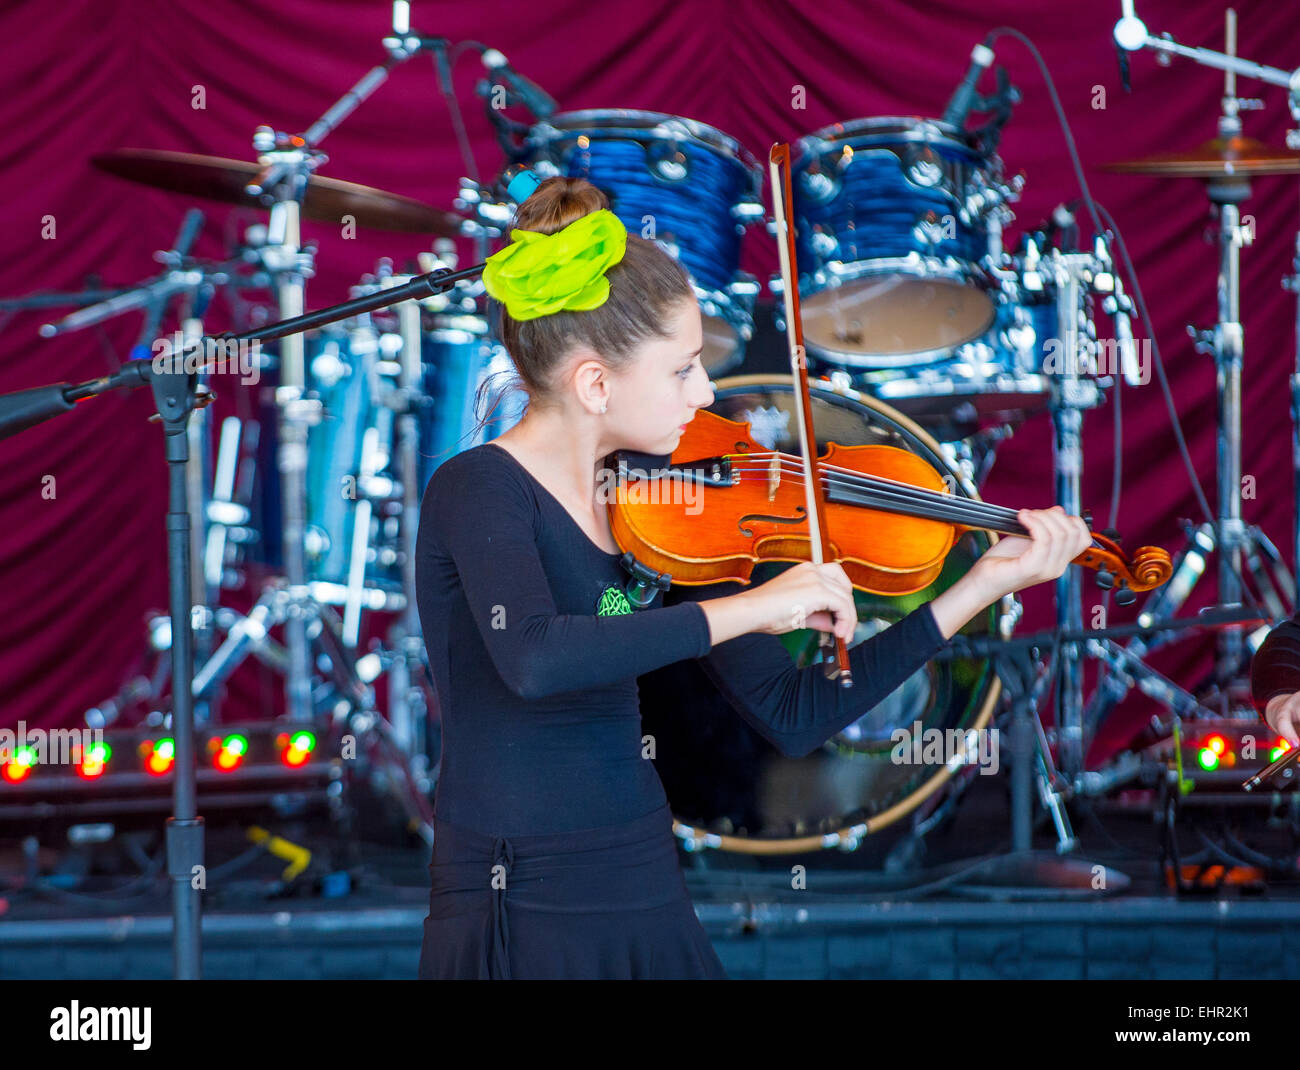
<point x="923" y="329"/>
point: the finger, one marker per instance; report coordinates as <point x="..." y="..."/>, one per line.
<point x="1085" y="536"/>
<point x="1289" y="724"/>
<point x="1289" y="720"/>
<point x="846" y="618"/>
<point x="850" y="621"/>
<point x="1273" y="711"/>
<point x="1062" y="541"/>
<point x="1059" y="538"/>
<point x="1034" y="559"/>
<point x="1284" y="717"/>
<point x="835" y="576"/>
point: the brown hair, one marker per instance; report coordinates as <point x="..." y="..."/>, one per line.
<point x="643" y="286"/>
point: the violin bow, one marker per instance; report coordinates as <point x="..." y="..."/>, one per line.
<point x="835" y="650"/>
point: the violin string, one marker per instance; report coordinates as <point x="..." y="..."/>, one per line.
<point x="935" y="498"/>
<point x="981" y="513"/>
<point x="905" y="498"/>
<point x="951" y="511"/>
<point x="793" y="464"/>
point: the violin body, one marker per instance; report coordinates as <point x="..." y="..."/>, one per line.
<point x="727" y="530"/>
<point x="726" y="503"/>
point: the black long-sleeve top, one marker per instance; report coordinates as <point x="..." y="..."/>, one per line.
<point x="1275" y="668"/>
<point x="538" y="689"/>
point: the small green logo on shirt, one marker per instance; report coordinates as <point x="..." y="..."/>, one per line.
<point x="613" y="602"/>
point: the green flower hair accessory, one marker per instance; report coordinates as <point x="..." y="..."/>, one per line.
<point x="537" y="274"/>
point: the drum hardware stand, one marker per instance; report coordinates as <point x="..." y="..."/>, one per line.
<point x="1292" y="283"/>
<point x="1014" y="659"/>
<point x="289" y="160"/>
<point x="409" y="696"/>
<point x="974" y="455"/>
<point x="195" y="285"/>
<point x="1071" y="394"/>
<point x="175" y="395"/>
<point x="1234" y="542"/>
<point x="1228" y="536"/>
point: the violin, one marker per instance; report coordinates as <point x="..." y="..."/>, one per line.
<point x="724" y="503"/>
<point x="882" y="512"/>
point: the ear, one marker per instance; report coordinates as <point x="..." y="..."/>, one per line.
<point x="591" y="381"/>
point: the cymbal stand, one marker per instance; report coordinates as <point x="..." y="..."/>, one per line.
<point x="1292" y="283"/>
<point x="1073" y="390"/>
<point x="288" y="161"/>
<point x="194" y="285"/>
<point x="408" y="705"/>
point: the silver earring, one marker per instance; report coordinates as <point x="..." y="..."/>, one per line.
<point x="603" y="408"/>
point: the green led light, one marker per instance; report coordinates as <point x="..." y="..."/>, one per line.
<point x="24" y="756"/>
<point x="235" y="744"/>
<point x="165" y="748"/>
<point x="99" y="752"/>
<point x="1275" y="754"/>
<point x="1208" y="759"/>
<point x="303" y="741"/>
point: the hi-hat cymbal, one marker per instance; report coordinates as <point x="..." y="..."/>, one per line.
<point x="1234" y="157"/>
<point x="327" y="200"/>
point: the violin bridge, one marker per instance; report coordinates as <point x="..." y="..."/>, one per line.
<point x="773" y="476"/>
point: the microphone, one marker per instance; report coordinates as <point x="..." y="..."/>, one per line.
<point x="531" y="95"/>
<point x="963" y="99"/>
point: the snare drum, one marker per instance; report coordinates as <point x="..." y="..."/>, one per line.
<point x="894" y="219"/>
<point x="681" y="183"/>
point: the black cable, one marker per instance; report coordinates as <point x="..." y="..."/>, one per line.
<point x="453" y="104"/>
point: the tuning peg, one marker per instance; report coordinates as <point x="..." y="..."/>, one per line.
<point x="1111" y="534"/>
<point x="1105" y="580"/>
<point x="1087" y="517"/>
<point x="1125" y="596"/>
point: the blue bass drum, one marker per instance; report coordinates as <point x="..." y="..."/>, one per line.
<point x="685" y="185"/>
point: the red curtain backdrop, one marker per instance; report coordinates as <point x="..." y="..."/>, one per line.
<point x="83" y="569"/>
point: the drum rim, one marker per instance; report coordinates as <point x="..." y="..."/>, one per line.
<point x="865" y="126"/>
<point x="846" y="836"/>
<point x="626" y="120"/>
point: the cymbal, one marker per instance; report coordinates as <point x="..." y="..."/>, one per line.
<point x="1235" y="157"/>
<point x="327" y="199"/>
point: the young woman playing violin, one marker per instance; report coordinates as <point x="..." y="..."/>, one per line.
<point x="554" y="854"/>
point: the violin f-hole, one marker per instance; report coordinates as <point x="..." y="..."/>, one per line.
<point x="752" y="517"/>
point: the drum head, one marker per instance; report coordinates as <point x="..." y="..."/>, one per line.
<point x="729" y="787"/>
<point x="892" y="319"/>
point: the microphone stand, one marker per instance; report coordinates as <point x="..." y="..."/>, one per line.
<point x="176" y="396"/>
<point x="174" y="383"/>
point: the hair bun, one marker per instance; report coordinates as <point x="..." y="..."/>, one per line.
<point x="556" y="203"/>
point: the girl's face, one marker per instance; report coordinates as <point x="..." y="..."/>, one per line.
<point x="656" y="396"/>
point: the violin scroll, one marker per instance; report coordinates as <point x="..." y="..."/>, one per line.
<point x="1149" y="567"/>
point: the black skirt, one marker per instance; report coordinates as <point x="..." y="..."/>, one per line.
<point x="604" y="903"/>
